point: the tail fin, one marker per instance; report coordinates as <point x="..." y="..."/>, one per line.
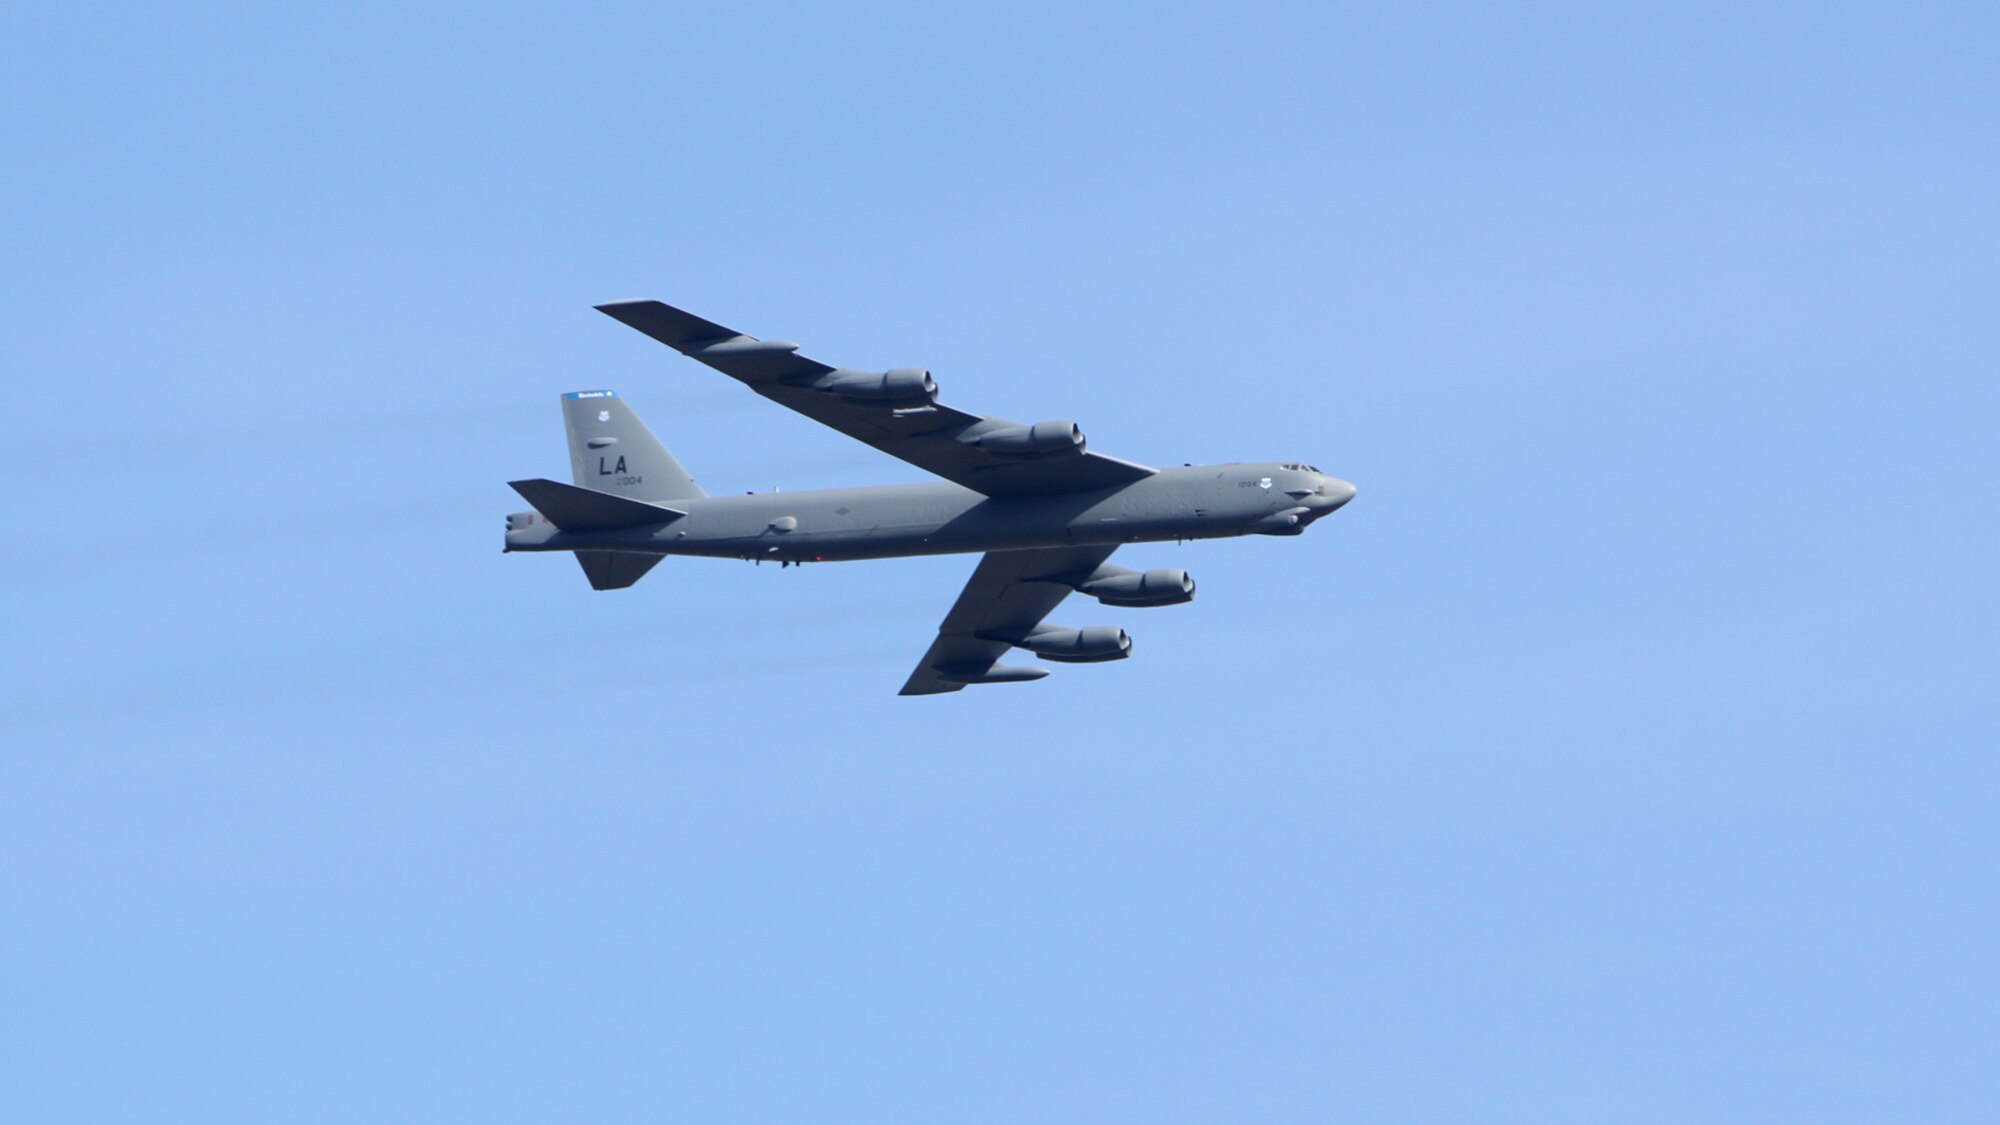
<point x="610" y="450"/>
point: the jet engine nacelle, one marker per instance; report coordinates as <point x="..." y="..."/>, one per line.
<point x="1122" y="587"/>
<point x="1093" y="645"/>
<point x="1043" y="439"/>
<point x="904" y="384"/>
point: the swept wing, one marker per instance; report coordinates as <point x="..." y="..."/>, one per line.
<point x="896" y="412"/>
<point x="1009" y="594"/>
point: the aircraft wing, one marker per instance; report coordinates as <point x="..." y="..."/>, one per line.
<point x="1009" y="594"/>
<point x="896" y="412"/>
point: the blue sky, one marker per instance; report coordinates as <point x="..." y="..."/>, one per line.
<point x="1624" y="752"/>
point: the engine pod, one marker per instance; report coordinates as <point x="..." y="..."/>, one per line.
<point x="903" y="385"/>
<point x="1122" y="587"/>
<point x="1043" y="439"/>
<point x="1091" y="645"/>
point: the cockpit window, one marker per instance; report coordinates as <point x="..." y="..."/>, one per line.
<point x="1300" y="468"/>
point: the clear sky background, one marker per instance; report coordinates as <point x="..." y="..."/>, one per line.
<point x="1625" y="752"/>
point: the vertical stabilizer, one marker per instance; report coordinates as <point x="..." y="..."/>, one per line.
<point x="610" y="450"/>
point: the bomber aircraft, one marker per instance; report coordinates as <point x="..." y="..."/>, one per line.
<point x="1046" y="510"/>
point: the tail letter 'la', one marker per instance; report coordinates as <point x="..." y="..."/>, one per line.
<point x="610" y="450"/>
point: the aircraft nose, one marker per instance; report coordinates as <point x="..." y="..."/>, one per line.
<point x="1334" y="492"/>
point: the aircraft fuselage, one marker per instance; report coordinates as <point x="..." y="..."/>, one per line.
<point x="890" y="521"/>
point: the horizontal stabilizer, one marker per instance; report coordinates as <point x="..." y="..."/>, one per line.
<point x="615" y="570"/>
<point x="581" y="509"/>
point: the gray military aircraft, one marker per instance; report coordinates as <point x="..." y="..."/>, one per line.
<point x="1046" y="510"/>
